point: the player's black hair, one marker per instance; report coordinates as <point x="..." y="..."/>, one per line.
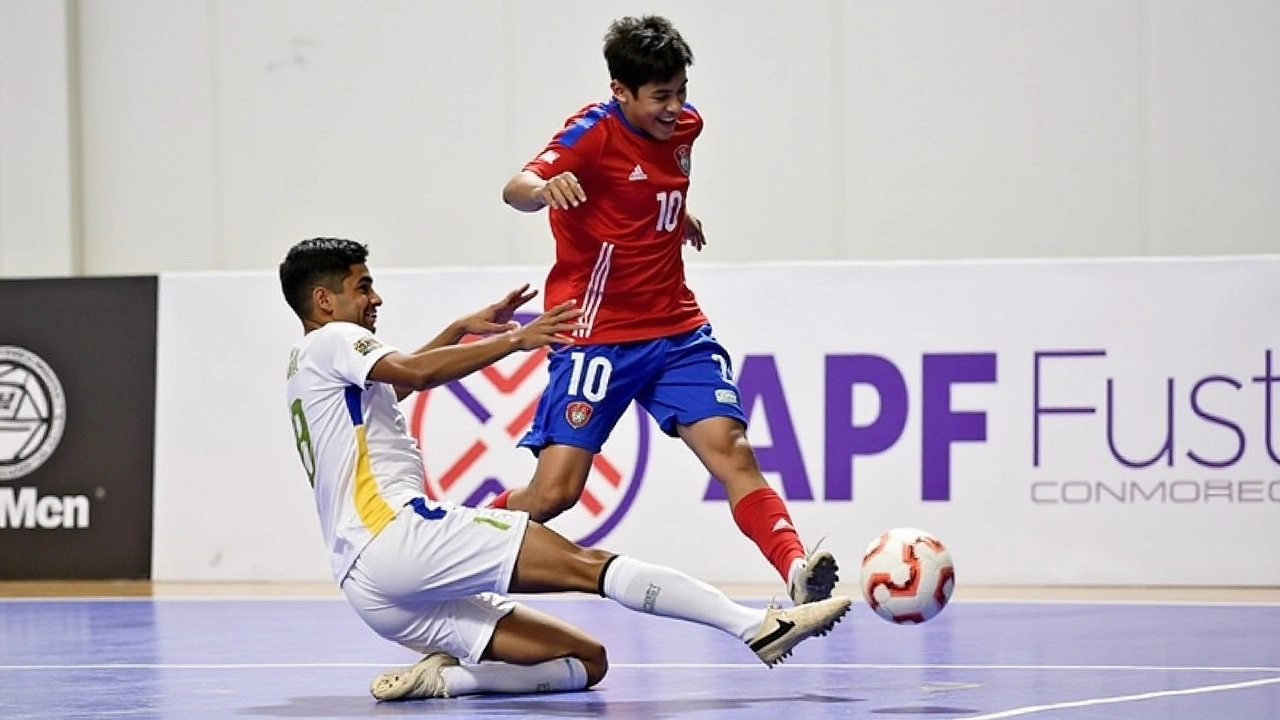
<point x="641" y="50"/>
<point x="318" y="262"/>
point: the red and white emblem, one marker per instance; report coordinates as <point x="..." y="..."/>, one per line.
<point x="578" y="413"/>
<point x="684" y="158"/>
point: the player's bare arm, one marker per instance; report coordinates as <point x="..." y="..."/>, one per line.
<point x="429" y="368"/>
<point x="527" y="192"/>
<point x="693" y="234"/>
<point x="489" y="320"/>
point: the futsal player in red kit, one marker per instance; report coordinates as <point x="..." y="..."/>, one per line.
<point x="615" y="183"/>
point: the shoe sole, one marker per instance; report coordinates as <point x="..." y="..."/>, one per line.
<point x="402" y="683"/>
<point x="392" y="685"/>
<point x="815" y="631"/>
<point x="822" y="578"/>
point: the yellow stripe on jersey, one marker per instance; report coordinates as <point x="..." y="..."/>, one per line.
<point x="374" y="512"/>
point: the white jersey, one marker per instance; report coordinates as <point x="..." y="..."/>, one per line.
<point x="362" y="463"/>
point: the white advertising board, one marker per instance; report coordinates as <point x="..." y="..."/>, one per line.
<point x="1074" y="422"/>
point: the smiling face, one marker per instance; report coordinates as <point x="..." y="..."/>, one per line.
<point x="356" y="301"/>
<point x="648" y="62"/>
<point x="654" y="106"/>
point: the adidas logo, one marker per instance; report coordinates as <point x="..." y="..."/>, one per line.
<point x="782" y="524"/>
<point x="637" y="174"/>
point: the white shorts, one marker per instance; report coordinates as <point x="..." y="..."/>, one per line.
<point x="432" y="580"/>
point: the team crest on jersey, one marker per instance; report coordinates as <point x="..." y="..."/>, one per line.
<point x="684" y="158"/>
<point x="467" y="431"/>
<point x="578" y="413"/>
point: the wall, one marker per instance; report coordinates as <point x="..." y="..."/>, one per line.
<point x="215" y="133"/>
<point x="38" y="216"/>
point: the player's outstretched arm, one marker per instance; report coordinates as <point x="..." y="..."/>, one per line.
<point x="497" y="317"/>
<point x="527" y="192"/>
<point x="431" y="367"/>
<point x="488" y="320"/>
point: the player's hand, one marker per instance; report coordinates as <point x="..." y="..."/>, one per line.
<point x="562" y="192"/>
<point x="496" y="318"/>
<point x="693" y="232"/>
<point x="551" y="327"/>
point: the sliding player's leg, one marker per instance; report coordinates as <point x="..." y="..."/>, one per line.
<point x="550" y="563"/>
<point x="433" y="581"/>
<point x="528" y="652"/>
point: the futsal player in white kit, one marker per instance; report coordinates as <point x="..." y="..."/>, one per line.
<point x="430" y="575"/>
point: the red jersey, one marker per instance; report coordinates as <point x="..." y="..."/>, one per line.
<point x="619" y="253"/>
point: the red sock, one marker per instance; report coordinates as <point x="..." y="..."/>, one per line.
<point x="762" y="516"/>
<point x="500" y="500"/>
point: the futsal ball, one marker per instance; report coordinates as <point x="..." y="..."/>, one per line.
<point x="907" y="576"/>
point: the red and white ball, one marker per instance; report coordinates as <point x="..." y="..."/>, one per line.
<point x="907" y="576"/>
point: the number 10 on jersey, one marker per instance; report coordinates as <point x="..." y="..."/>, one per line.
<point x="669" y="206"/>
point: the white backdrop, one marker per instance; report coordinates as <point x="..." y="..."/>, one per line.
<point x="38" y="192"/>
<point x="1045" y="385"/>
<point x="211" y="134"/>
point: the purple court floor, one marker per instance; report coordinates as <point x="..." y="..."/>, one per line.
<point x="312" y="658"/>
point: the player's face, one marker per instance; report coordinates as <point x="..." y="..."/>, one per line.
<point x="358" y="303"/>
<point x="654" y="106"/>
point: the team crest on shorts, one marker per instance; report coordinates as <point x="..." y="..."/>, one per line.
<point x="578" y="413"/>
<point x="684" y="158"/>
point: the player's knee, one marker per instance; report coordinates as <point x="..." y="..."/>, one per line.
<point x="589" y="566"/>
<point x="734" y="454"/>
<point x="585" y="570"/>
<point x="551" y="499"/>
<point x="595" y="660"/>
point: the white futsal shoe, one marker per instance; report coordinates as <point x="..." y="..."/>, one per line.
<point x="784" y="628"/>
<point x="425" y="679"/>
<point x="816" y="577"/>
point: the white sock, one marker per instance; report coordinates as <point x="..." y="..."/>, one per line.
<point x="795" y="568"/>
<point x="559" y="675"/>
<point x="670" y="593"/>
